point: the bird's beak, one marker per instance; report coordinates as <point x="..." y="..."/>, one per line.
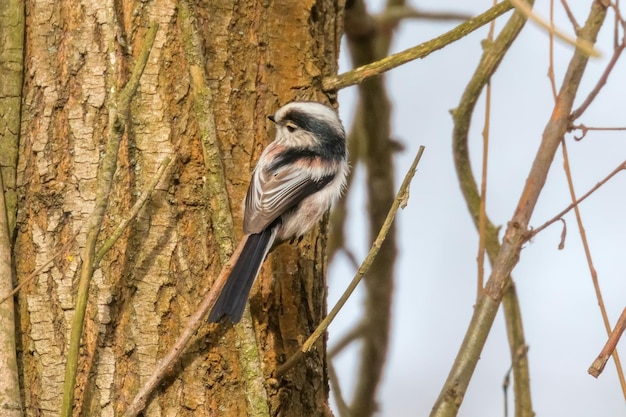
<point x="271" y="117"/>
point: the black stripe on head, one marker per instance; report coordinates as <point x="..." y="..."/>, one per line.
<point x="333" y="143"/>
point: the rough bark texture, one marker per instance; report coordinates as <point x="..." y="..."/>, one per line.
<point x="259" y="55"/>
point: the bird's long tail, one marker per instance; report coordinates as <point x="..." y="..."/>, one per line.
<point x="232" y="300"/>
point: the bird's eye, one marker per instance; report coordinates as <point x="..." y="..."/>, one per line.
<point x="291" y="127"/>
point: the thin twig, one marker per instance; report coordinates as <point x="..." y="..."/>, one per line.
<point x="400" y="199"/>
<point x="335" y="387"/>
<point x="351" y="257"/>
<point x="617" y="52"/>
<point x="118" y="115"/>
<point x="134" y="211"/>
<point x="619" y="22"/>
<point x="585" y="129"/>
<point x="492" y="56"/>
<point x="37" y="271"/>
<point x="597" y="366"/>
<point x="570" y="16"/>
<point x="364" y="72"/>
<point x="616" y="26"/>
<point x="505" y="388"/>
<point x="582" y="44"/>
<point x="556" y="218"/>
<point x="346" y="339"/>
<point x="394" y="14"/>
<point x="520" y="354"/>
<point x="195" y="321"/>
<point x="592" y="269"/>
<point x="482" y="215"/>
<point x="551" y="52"/>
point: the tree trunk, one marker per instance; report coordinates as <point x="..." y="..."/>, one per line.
<point x="11" y="71"/>
<point x="256" y="56"/>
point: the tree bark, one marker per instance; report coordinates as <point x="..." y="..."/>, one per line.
<point x="257" y="56"/>
<point x="11" y="71"/>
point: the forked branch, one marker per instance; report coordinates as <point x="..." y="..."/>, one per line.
<point x="453" y="391"/>
<point x="118" y="116"/>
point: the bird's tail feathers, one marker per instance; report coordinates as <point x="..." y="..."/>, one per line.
<point x="234" y="295"/>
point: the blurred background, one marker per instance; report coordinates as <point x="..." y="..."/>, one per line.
<point x="436" y="269"/>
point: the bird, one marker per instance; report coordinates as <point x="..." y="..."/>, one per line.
<point x="297" y="178"/>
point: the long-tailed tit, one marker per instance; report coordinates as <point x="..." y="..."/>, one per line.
<point x="296" y="180"/>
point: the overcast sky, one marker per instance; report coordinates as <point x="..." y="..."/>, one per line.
<point x="436" y="269"/>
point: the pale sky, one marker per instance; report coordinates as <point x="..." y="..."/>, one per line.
<point x="436" y="269"/>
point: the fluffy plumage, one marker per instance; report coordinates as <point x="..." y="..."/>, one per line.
<point x="297" y="178"/>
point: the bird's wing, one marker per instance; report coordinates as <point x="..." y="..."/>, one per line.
<point x="272" y="193"/>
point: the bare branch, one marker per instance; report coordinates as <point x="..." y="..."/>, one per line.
<point x="43" y="266"/>
<point x="601" y="82"/>
<point x="597" y="366"/>
<point x="369" y="259"/>
<point x="342" y="406"/>
<point x="592" y="269"/>
<point x="364" y="72"/>
<point x="551" y="52"/>
<point x="570" y="16"/>
<point x="453" y="391"/>
<point x="492" y="56"/>
<point x="141" y="201"/>
<point x="482" y="215"/>
<point x="394" y="14"/>
<point x="347" y="338"/>
<point x="585" y="129"/>
<point x="579" y="43"/>
<point x="195" y="321"/>
<point x="557" y="217"/>
<point x="118" y="115"/>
